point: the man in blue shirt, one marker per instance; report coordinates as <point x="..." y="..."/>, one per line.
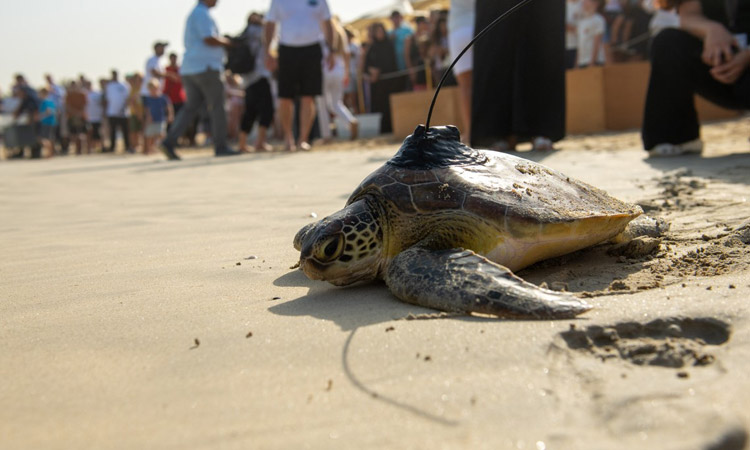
<point x="202" y="69"/>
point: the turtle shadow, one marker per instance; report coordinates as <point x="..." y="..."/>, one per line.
<point x="350" y="307"/>
<point x="731" y="168"/>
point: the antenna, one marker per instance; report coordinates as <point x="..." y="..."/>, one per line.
<point x="480" y="34"/>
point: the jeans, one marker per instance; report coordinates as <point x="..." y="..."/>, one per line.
<point x="201" y="88"/>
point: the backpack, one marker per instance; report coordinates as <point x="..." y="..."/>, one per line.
<point x="240" y="56"/>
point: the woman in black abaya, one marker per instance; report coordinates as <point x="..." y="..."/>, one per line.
<point x="519" y="75"/>
<point x="379" y="63"/>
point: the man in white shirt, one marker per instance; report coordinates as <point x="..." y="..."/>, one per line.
<point x="302" y="26"/>
<point x="154" y="67"/>
<point x="116" y="95"/>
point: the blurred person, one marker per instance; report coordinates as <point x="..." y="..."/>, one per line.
<point x="573" y="13"/>
<point x="94" y="116"/>
<point x="202" y="67"/>
<point x="303" y="26"/>
<point x="48" y="121"/>
<point x="708" y="56"/>
<point x="398" y="35"/>
<point x="440" y="52"/>
<point x="351" y="91"/>
<point x="137" y="114"/>
<point x="173" y="85"/>
<point x="665" y="16"/>
<point x="154" y="68"/>
<point x="75" y="111"/>
<point x="57" y="95"/>
<point x="628" y="36"/>
<point x="460" y="33"/>
<point x="380" y="62"/>
<point x="116" y="94"/>
<point x="158" y="111"/>
<point x="234" y="104"/>
<point x="259" y="104"/>
<point x="26" y="118"/>
<point x="336" y="77"/>
<point x="522" y="95"/>
<point x="591" y="29"/>
<point x="416" y="49"/>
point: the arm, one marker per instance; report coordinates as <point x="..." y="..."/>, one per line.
<point x="170" y="111"/>
<point x="717" y="41"/>
<point x="217" y="41"/>
<point x="328" y="33"/>
<point x="595" y="50"/>
<point x="269" y="31"/>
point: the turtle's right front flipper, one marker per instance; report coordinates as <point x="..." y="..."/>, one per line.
<point x="459" y="280"/>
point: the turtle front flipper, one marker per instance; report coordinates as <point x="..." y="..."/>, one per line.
<point x="458" y="280"/>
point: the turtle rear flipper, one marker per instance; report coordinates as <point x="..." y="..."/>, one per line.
<point x="458" y="280"/>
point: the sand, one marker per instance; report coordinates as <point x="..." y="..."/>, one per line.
<point x="151" y="304"/>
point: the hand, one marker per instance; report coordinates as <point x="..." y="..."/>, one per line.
<point x="717" y="46"/>
<point x="270" y="62"/>
<point x="374" y="74"/>
<point x="731" y="71"/>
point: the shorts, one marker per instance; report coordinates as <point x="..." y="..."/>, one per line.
<point x="95" y="128"/>
<point x="76" y="125"/>
<point x="47" y="132"/>
<point x="458" y="39"/>
<point x="154" y="129"/>
<point x="135" y="123"/>
<point x="300" y="71"/>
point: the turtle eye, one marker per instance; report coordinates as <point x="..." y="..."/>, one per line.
<point x="330" y="248"/>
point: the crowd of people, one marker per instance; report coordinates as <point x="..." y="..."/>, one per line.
<point x="300" y="74"/>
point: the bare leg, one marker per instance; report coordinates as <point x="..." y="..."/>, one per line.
<point x="306" y="117"/>
<point x="286" y="110"/>
<point x="464" y="91"/>
<point x="242" y="142"/>
<point x="260" y="141"/>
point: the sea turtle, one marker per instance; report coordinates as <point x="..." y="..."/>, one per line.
<point x="445" y="225"/>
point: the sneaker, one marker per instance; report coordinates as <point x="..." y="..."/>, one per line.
<point x="542" y="143"/>
<point x="169" y="152"/>
<point x="694" y="147"/>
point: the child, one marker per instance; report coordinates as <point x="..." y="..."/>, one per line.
<point x="158" y="112"/>
<point x="591" y="28"/>
<point x="48" y="118"/>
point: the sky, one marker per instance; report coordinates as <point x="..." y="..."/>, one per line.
<point x="71" y="37"/>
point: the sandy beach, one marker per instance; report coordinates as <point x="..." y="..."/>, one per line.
<point x="151" y="304"/>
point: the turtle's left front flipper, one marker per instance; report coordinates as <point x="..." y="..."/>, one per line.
<point x="459" y="280"/>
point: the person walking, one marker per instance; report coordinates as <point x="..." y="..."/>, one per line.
<point x="201" y="71"/>
<point x="299" y="61"/>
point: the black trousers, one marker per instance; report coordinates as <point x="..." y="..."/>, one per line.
<point x="677" y="74"/>
<point x="519" y="72"/>
<point x="122" y="124"/>
<point x="258" y="105"/>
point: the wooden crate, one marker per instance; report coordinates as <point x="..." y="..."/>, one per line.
<point x="409" y="109"/>
<point x="584" y="109"/>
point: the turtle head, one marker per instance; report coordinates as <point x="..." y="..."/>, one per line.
<point x="342" y="248"/>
